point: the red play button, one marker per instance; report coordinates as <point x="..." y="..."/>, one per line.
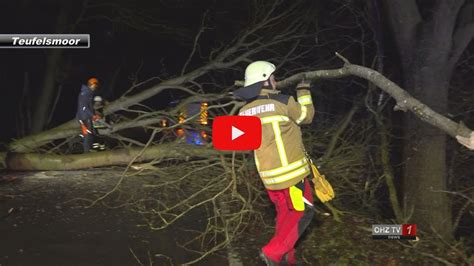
<point x="237" y="133"/>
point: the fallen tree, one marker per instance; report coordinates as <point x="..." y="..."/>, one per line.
<point x="30" y="161"/>
<point x="405" y="102"/>
<point x="262" y="35"/>
<point x="36" y="161"/>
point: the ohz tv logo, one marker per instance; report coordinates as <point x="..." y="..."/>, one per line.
<point x="394" y="231"/>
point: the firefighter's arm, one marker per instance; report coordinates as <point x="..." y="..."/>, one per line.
<point x="301" y="111"/>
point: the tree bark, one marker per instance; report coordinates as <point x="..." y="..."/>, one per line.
<point x="47" y="162"/>
<point x="428" y="78"/>
<point x="31" y="142"/>
<point x="48" y="88"/>
<point x="425" y="168"/>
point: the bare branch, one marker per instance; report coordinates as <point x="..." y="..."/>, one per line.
<point x="196" y="39"/>
<point x="404" y="100"/>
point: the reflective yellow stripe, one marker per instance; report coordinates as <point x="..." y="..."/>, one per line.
<point x="305" y="100"/>
<point x="304" y="112"/>
<point x="275" y="121"/>
<point x="286" y="177"/>
<point x="284" y="169"/>
<point x="296" y="196"/>
<point x="279" y="143"/>
<point x="274" y="118"/>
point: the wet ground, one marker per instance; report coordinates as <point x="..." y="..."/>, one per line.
<point x="45" y="220"/>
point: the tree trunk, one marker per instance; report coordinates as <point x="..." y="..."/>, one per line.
<point x="425" y="157"/>
<point x="429" y="47"/>
<point x="48" y="88"/>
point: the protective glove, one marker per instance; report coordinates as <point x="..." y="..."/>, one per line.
<point x="304" y="84"/>
<point x="323" y="189"/>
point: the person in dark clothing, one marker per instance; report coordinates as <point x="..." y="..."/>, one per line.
<point x="85" y="112"/>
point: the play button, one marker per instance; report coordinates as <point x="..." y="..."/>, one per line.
<point x="236" y="132"/>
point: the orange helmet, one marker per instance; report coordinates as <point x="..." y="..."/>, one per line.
<point x="92" y="81"/>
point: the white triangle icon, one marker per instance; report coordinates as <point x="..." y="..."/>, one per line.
<point x="236" y="133"/>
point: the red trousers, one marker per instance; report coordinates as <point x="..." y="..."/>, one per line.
<point x="290" y="223"/>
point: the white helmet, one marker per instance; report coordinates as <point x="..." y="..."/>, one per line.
<point x="97" y="99"/>
<point x="258" y="71"/>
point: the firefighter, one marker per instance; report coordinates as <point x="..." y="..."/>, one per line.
<point x="85" y="112"/>
<point x="98" y="122"/>
<point x="280" y="160"/>
<point x="467" y="142"/>
<point x="98" y="119"/>
<point x="98" y="106"/>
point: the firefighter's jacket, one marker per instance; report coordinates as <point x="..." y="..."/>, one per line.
<point x="281" y="160"/>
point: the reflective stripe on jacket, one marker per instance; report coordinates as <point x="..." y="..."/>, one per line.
<point x="280" y="159"/>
